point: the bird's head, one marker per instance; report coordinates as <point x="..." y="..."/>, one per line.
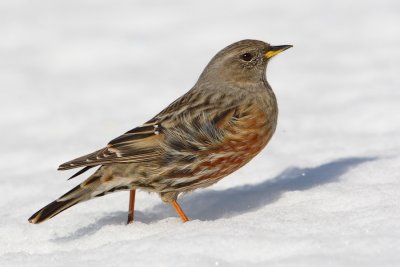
<point x="242" y="62"/>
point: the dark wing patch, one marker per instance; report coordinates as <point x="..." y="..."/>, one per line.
<point x="195" y="135"/>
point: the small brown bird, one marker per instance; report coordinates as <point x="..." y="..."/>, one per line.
<point x="226" y="119"/>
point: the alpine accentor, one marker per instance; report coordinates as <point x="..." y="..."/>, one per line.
<point x="226" y="119"/>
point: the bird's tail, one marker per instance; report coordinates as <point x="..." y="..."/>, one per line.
<point x="53" y="209"/>
<point x="94" y="186"/>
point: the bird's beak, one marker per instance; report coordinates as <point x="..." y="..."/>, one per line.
<point x="274" y="50"/>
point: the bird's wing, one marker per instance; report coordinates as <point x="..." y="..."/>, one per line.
<point x="183" y="125"/>
<point x="140" y="144"/>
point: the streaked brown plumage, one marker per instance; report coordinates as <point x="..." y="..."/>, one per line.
<point x="226" y="119"/>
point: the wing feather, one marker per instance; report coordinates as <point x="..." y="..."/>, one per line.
<point x="136" y="145"/>
<point x="181" y="125"/>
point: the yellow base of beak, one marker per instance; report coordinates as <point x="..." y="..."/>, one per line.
<point x="274" y="50"/>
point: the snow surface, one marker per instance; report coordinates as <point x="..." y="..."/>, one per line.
<point x="326" y="191"/>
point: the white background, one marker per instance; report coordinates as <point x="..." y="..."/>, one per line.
<point x="325" y="192"/>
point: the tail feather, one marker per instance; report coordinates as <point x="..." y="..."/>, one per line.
<point x="52" y="210"/>
<point x="90" y="188"/>
<point x="69" y="199"/>
<point x="80" y="172"/>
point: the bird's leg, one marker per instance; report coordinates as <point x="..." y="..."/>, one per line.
<point x="179" y="210"/>
<point x="131" y="205"/>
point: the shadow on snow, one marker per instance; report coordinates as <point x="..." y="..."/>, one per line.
<point x="215" y="204"/>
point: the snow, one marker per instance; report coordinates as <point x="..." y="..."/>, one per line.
<point x="326" y="191"/>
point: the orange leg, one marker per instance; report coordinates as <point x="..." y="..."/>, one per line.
<point x="131" y="206"/>
<point x="179" y="210"/>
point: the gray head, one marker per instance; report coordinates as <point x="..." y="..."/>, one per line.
<point x="241" y="63"/>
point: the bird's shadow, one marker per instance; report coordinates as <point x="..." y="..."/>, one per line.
<point x="216" y="204"/>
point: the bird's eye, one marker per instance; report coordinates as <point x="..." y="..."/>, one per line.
<point x="246" y="56"/>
